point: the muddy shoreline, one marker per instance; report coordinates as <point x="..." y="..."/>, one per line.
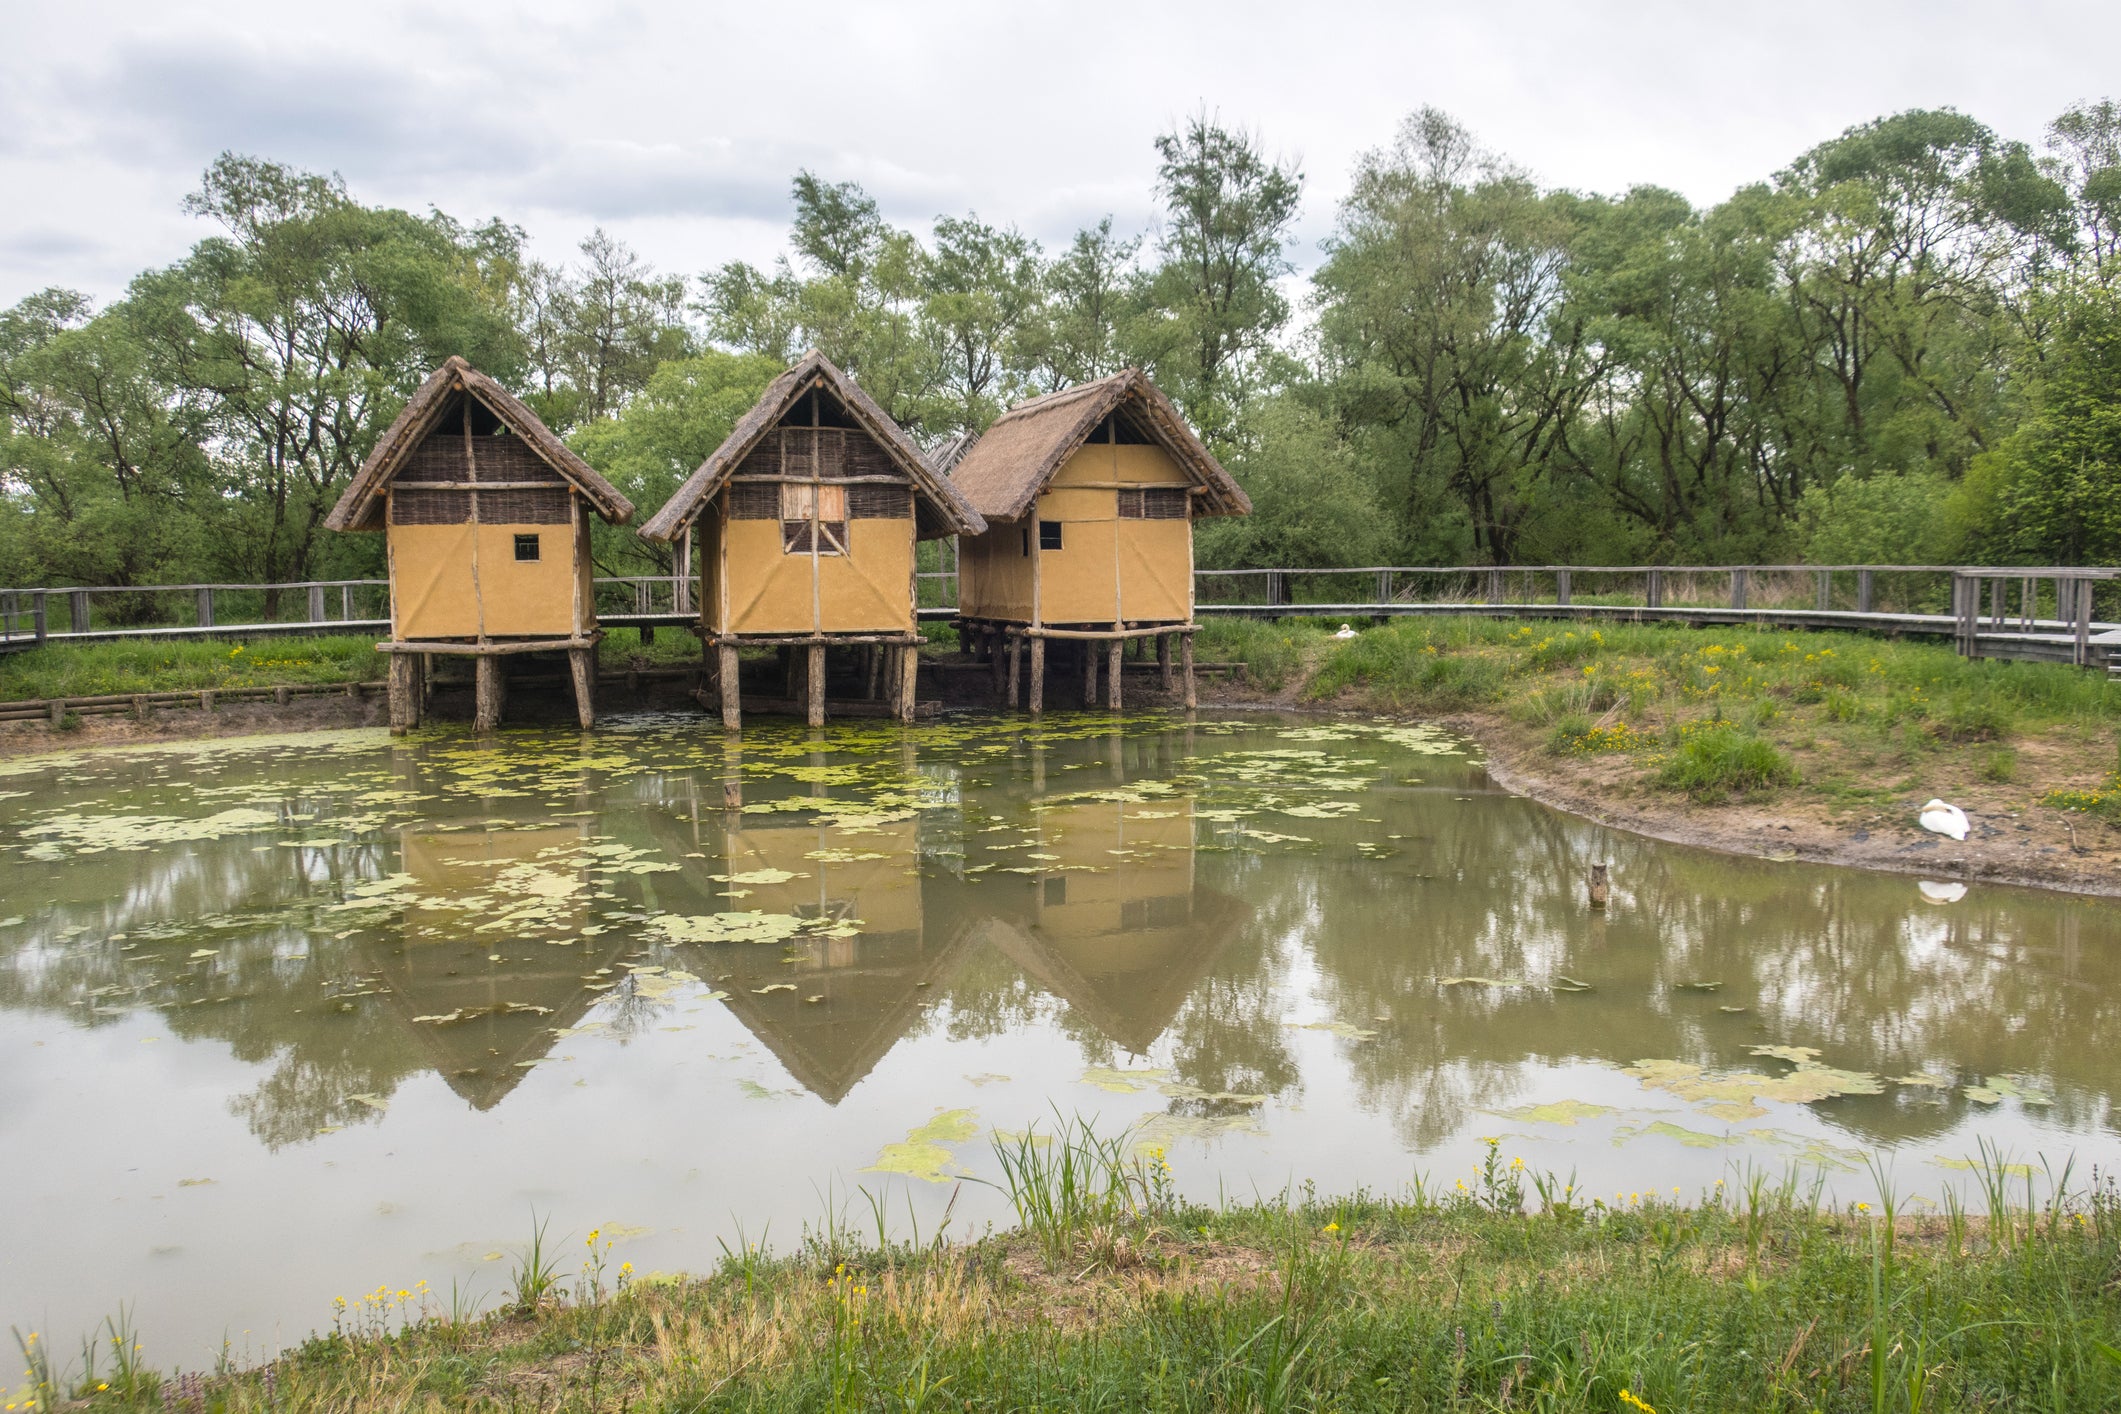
<point x="2035" y="847"/>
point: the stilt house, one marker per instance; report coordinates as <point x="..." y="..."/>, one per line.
<point x="486" y="515"/>
<point x="1090" y="495"/>
<point x="806" y="519"/>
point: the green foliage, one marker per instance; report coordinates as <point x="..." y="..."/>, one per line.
<point x="1312" y="502"/>
<point x="142" y="665"/>
<point x="1887" y="519"/>
<point x="1273" y="654"/>
<point x="1719" y="759"/>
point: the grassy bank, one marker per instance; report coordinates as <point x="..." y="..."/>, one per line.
<point x="1112" y="1295"/>
<point x="1712" y="712"/>
<point x="152" y="665"/>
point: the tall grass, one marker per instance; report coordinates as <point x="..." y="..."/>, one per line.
<point x="147" y="665"/>
<point x="1273" y="654"/>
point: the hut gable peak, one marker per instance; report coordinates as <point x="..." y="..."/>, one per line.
<point x="1002" y="473"/>
<point x="813" y="392"/>
<point x="361" y="507"/>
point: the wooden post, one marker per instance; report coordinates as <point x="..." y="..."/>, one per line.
<point x="489" y="692"/>
<point x="1600" y="887"/>
<point x="206" y="608"/>
<point x="1561" y="588"/>
<point x="1863" y="591"/>
<point x="56" y="710"/>
<point x="316" y="603"/>
<point x="1114" y="672"/>
<point x="814" y="686"/>
<point x="732" y="692"/>
<point x="909" y="681"/>
<point x="1826" y="590"/>
<point x="1037" y="702"/>
<point x="139" y="706"/>
<point x="582" y="662"/>
<point x="1016" y="648"/>
<point x="964" y="638"/>
<point x="1738" y="579"/>
<point x="1185" y="654"/>
<point x="2084" y="623"/>
<point x="77" y="610"/>
<point x="1495" y="584"/>
<point x="1163" y="659"/>
<point x="1655" y="593"/>
<point x="1089" y="672"/>
<point x="404" y="693"/>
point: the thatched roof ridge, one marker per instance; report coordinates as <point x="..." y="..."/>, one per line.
<point x="1003" y="473"/>
<point x="361" y="508"/>
<point x="812" y="370"/>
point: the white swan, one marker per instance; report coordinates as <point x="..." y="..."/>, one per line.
<point x="1941" y="819"/>
<point x="1346" y="631"/>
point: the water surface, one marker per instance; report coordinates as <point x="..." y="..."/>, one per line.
<point x="290" y="1018"/>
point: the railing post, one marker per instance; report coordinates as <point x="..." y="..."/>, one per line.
<point x="1495" y="584"/>
<point x="1655" y="593"/>
<point x="2083" y="607"/>
<point x="1738" y="578"/>
<point x="1826" y="590"/>
<point x="1966" y="591"/>
<point x="1863" y="591"/>
<point x="1384" y="587"/>
<point x="37" y="613"/>
<point x="206" y="607"/>
<point x="345" y="602"/>
<point x="316" y="603"/>
<point x="77" y="610"/>
<point x="1561" y="587"/>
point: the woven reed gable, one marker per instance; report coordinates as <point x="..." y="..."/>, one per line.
<point x="525" y="451"/>
<point x="759" y="445"/>
<point x="1003" y="472"/>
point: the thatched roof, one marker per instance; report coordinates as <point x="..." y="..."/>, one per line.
<point x="811" y="371"/>
<point x="361" y="508"/>
<point x="1003" y="473"/>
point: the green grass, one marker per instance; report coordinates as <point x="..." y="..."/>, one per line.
<point x="1506" y="1290"/>
<point x="1273" y="653"/>
<point x="161" y="665"/>
<point x="1852" y="705"/>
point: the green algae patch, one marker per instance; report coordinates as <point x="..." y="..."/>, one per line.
<point x="924" y="1154"/>
<point x="1345" y="1030"/>
<point x="1998" y="1088"/>
<point x="1736" y="1095"/>
<point x="1665" y="1129"/>
<point x="1559" y="1112"/>
<point x="728" y="927"/>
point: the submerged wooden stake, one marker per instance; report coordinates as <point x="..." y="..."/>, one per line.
<point x="732" y="698"/>
<point x="1016" y="650"/>
<point x="909" y="683"/>
<point x="1037" y="702"/>
<point x="489" y="693"/>
<point x="582" y="664"/>
<point x="814" y="686"/>
<point x="1185" y="653"/>
<point x="1113" y="673"/>
<point x="1601" y="888"/>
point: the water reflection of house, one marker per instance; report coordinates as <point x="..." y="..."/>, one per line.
<point x="1114" y="924"/>
<point x="504" y="1013"/>
<point x="842" y="997"/>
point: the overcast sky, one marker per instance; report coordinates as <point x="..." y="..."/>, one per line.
<point x="677" y="126"/>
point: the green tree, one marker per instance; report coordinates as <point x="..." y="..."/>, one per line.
<point x="660" y="438"/>
<point x="1214" y="298"/>
<point x="982" y="292"/>
<point x="1313" y="501"/>
<point x="1092" y="297"/>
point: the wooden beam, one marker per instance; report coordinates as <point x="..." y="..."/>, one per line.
<point x="732" y="700"/>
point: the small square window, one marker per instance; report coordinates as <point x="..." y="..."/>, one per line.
<point x="526" y="547"/>
<point x="1049" y="535"/>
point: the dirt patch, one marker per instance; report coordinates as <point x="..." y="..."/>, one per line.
<point x="2013" y="841"/>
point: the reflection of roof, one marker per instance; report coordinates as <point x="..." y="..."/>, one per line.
<point x="1131" y="1006"/>
<point x="479" y="1057"/>
<point x="870" y="1001"/>
<point x="361" y="508"/>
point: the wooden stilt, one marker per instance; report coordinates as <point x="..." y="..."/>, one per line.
<point x="1016" y="649"/>
<point x="404" y="693"/>
<point x="489" y="692"/>
<point x="909" y="681"/>
<point x="995" y="664"/>
<point x="1037" y="704"/>
<point x="1114" y="671"/>
<point x="814" y="685"/>
<point x="1163" y="659"/>
<point x="732" y="694"/>
<point x="873" y="655"/>
<point x="1185" y="654"/>
<point x="964" y="638"/>
<point x="1089" y="673"/>
<point x="583" y="663"/>
<point x="888" y="676"/>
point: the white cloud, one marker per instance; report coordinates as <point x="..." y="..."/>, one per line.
<point x="678" y="126"/>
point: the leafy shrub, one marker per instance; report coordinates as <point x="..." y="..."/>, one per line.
<point x="1719" y="759"/>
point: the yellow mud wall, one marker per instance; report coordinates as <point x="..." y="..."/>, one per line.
<point x="533" y="598"/>
<point x="769" y="592"/>
<point x="1076" y="583"/>
<point x="431" y="594"/>
<point x="584" y="574"/>
<point x="995" y="574"/>
<point x="870" y="588"/>
<point x="1156" y="569"/>
<point x="1151" y="466"/>
<point x="707" y="546"/>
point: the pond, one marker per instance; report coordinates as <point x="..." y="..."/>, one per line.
<point x="291" y="1018"/>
